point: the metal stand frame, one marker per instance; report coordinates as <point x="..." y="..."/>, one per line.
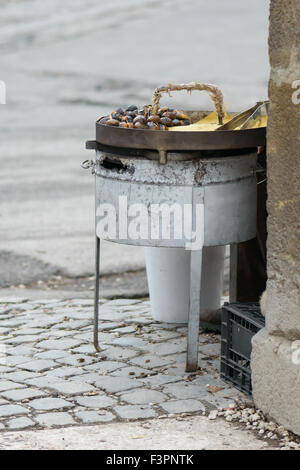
<point x="194" y="309"/>
<point x="96" y="298"/>
<point x="233" y="272"/>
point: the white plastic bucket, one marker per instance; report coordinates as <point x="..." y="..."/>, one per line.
<point x="168" y="273"/>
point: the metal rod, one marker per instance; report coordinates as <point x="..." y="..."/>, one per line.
<point x="96" y="298"/>
<point x="194" y="312"/>
<point x="233" y="272"/>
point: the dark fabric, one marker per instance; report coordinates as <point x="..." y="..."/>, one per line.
<point x="251" y="266"/>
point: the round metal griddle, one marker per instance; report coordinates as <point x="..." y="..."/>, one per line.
<point x="179" y="140"/>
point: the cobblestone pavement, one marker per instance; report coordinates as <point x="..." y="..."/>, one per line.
<point x="51" y="375"/>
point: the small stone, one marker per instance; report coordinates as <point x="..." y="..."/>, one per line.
<point x="213" y="414"/>
<point x="293" y="445"/>
<point x="271" y="426"/>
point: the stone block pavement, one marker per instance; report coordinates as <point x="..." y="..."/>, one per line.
<point x="51" y="375"/>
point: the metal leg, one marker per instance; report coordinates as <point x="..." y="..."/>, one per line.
<point x="233" y="272"/>
<point x="194" y="312"/>
<point x="96" y="299"/>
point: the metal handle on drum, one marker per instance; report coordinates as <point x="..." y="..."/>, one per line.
<point x="214" y="92"/>
<point x="87" y="164"/>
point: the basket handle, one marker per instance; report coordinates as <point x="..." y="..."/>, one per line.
<point x="214" y="92"/>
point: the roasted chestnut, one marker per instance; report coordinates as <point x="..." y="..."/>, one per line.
<point x="154" y="118"/>
<point x="104" y="119"/>
<point x="130" y="108"/>
<point x="163" y="110"/>
<point x="127" y="118"/>
<point x="131" y="113"/>
<point x="169" y="114"/>
<point x="112" y="122"/>
<point x="140" y="125"/>
<point x="166" y="121"/>
<point x="152" y="125"/>
<point x="181" y="116"/>
<point x="140" y="119"/>
<point x="115" y="115"/>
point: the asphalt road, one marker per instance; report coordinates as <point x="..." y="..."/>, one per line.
<point x="67" y="63"/>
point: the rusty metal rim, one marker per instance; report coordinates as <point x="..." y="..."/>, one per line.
<point x="173" y="141"/>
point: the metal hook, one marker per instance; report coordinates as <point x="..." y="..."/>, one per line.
<point x="88" y="164"/>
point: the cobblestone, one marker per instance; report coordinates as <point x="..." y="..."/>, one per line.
<point x="115" y="385"/>
<point x="71" y="387"/>
<point x="130" y="371"/>
<point x="8" y="385"/>
<point x="184" y="391"/>
<point x="75" y="360"/>
<point x="105" y="366"/>
<point x="88" y="417"/>
<point x="143" y="396"/>
<point x="23" y="394"/>
<point x="12" y="410"/>
<point x="58" y="379"/>
<point x="116" y="353"/>
<point x="20" y="423"/>
<point x="55" y="354"/>
<point x="64" y="344"/>
<point x="97" y="401"/>
<point x="39" y="365"/>
<point x="66" y="371"/>
<point x="135" y="412"/>
<point x="46" y="404"/>
<point x="54" y="419"/>
<point x="15" y="360"/>
<point x="149" y="361"/>
<point x="183" y="406"/>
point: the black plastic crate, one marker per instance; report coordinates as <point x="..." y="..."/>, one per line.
<point x="240" y="322"/>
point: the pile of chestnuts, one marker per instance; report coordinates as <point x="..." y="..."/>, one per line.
<point x="141" y="118"/>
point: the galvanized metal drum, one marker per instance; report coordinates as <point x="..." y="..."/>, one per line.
<point x="225" y="188"/>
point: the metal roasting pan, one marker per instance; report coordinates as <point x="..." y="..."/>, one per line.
<point x="179" y="141"/>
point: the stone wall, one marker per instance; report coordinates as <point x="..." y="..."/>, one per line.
<point x="275" y="373"/>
